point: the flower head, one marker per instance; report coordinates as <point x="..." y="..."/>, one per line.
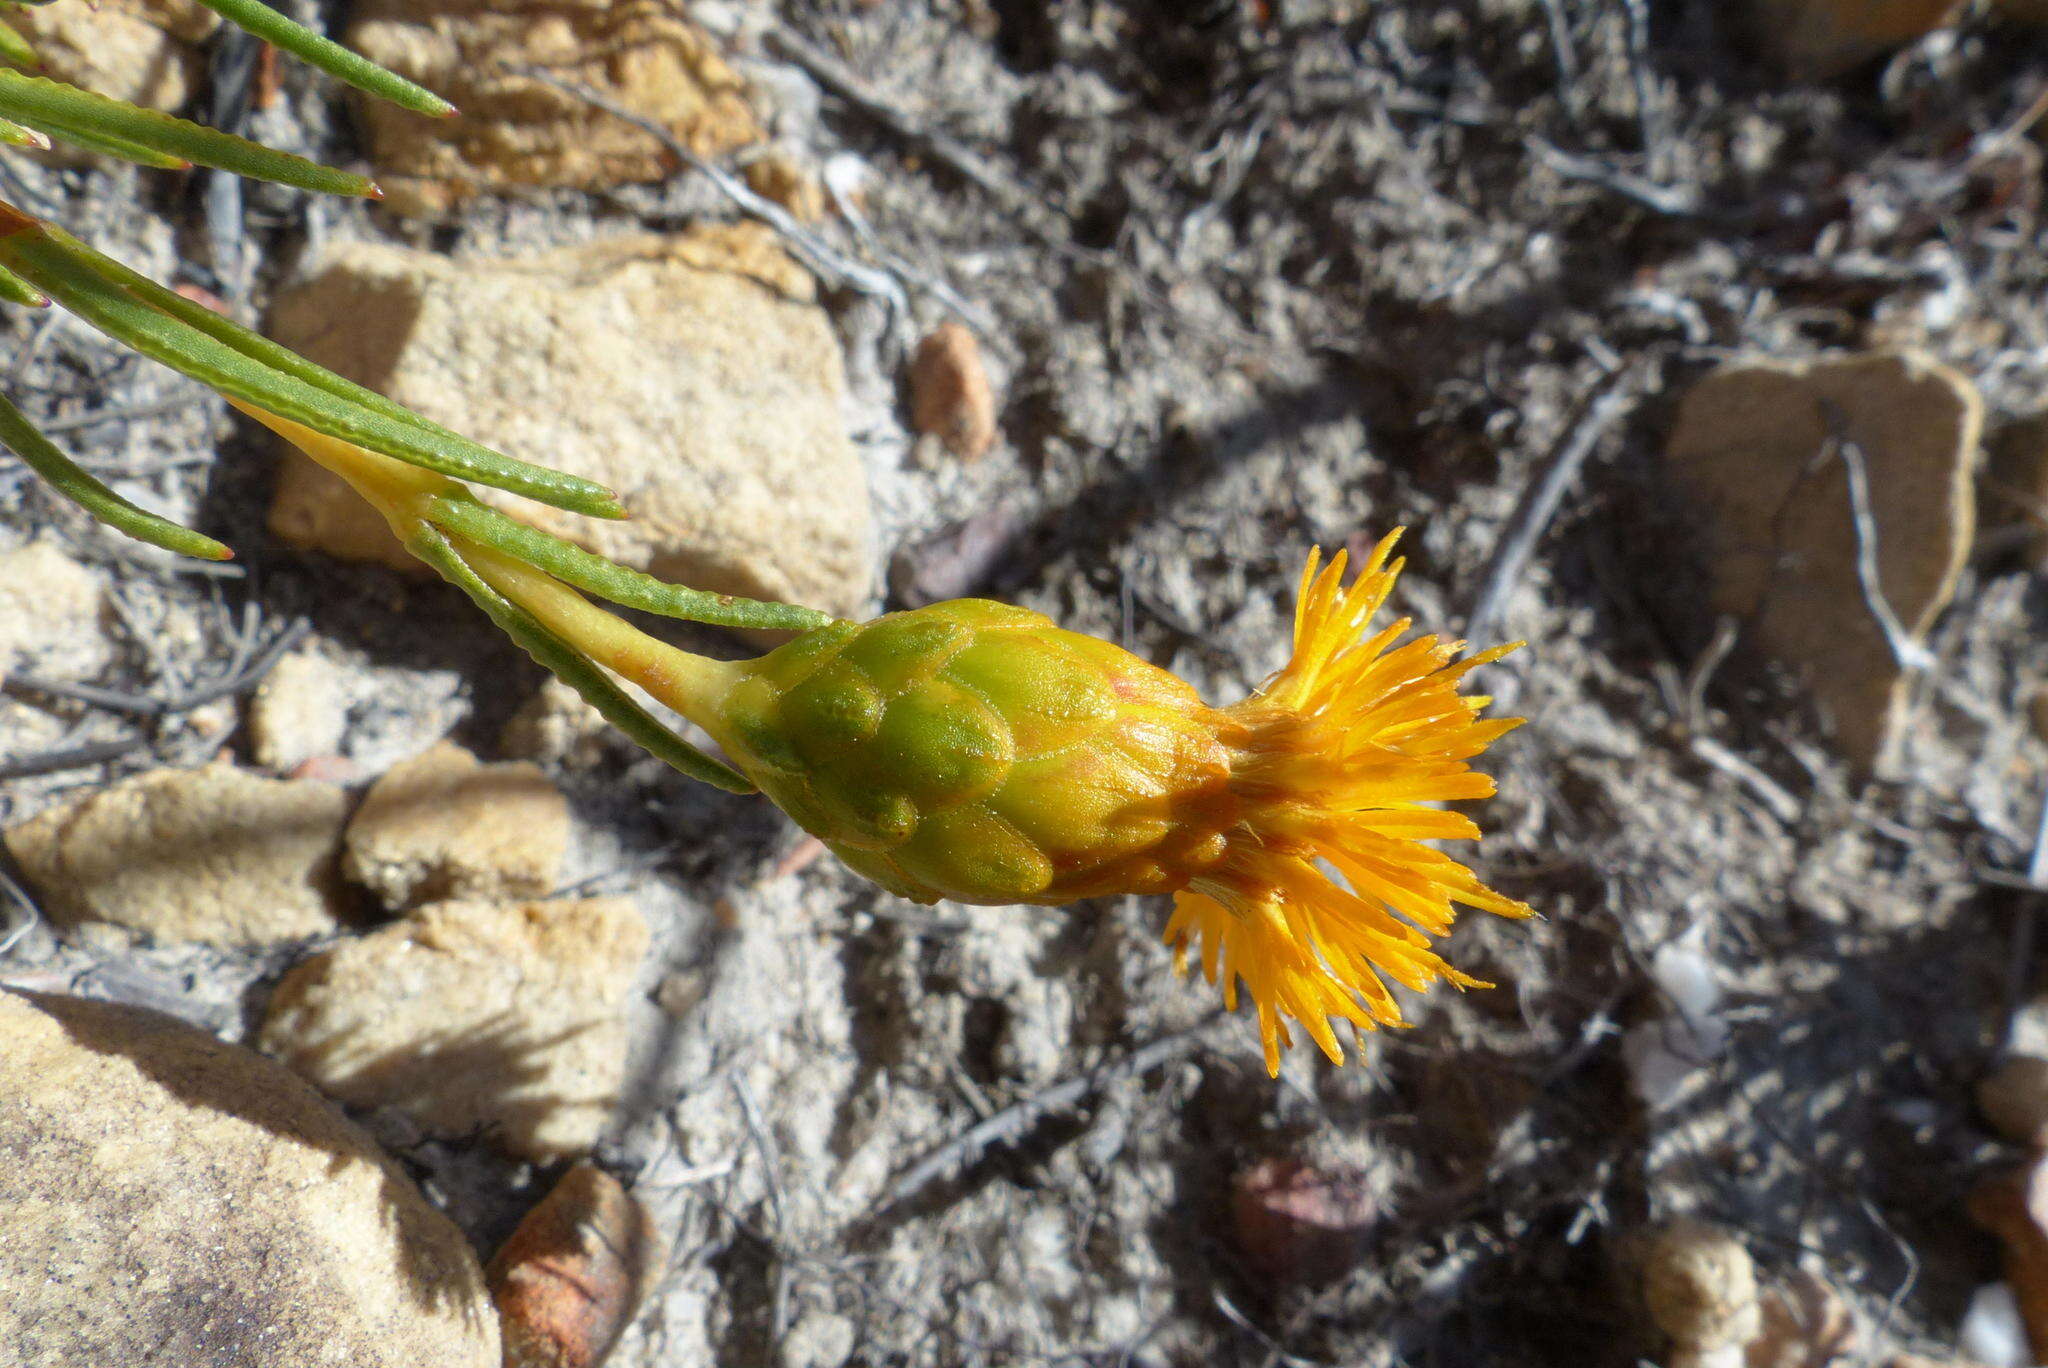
<point x="1337" y="764"/>
<point x="975" y="751"/>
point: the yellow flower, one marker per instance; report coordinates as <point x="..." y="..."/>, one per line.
<point x="1338" y="762"/>
<point x="976" y="751"/>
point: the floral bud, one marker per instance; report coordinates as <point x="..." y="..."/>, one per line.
<point x="974" y="751"/>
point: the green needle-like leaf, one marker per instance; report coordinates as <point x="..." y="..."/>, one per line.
<point x="573" y="668"/>
<point x="93" y="141"/>
<point x="331" y="57"/>
<point x="65" y="111"/>
<point x="572" y="564"/>
<point x="15" y="48"/>
<point x="14" y="135"/>
<point x="19" y="435"/>
<point x="47" y="264"/>
<point x="15" y="290"/>
<point x="229" y="333"/>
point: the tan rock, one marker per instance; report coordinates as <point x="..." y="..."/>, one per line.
<point x="140" y="51"/>
<point x="572" y="1276"/>
<point x="1700" y="1285"/>
<point x="557" y="726"/>
<point x="49" y="611"/>
<point x="216" y="855"/>
<point x="950" y="395"/>
<point x="445" y="825"/>
<point x="1756" y="448"/>
<point x="2014" y="1099"/>
<point x="518" y="130"/>
<point x="168" y="1198"/>
<point x="691" y="374"/>
<point x="299" y="713"/>
<point x="1815" y="39"/>
<point x="500" y="1019"/>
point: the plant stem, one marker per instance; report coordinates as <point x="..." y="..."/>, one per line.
<point x="408" y="496"/>
<point x="691" y="684"/>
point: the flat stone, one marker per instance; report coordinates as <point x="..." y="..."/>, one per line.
<point x="299" y="712"/>
<point x="49" y="613"/>
<point x="692" y="374"/>
<point x="168" y="1198"/>
<point x="216" y="855"/>
<point x="1816" y="39"/>
<point x="1758" y="449"/>
<point x="500" y="1019"/>
<point x="515" y="128"/>
<point x="445" y="825"/>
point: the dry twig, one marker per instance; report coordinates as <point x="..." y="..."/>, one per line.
<point x="1019" y="1117"/>
<point x="1539" y="504"/>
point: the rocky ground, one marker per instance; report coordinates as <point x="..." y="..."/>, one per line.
<point x="1224" y="281"/>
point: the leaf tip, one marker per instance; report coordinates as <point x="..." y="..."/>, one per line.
<point x="372" y="191"/>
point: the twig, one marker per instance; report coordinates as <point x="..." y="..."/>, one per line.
<point x="1539" y="503"/>
<point x="143" y="705"/>
<point x="1909" y="654"/>
<point x="818" y="255"/>
<point x="1765" y="789"/>
<point x="1673" y="201"/>
<point x="21" y="915"/>
<point x="70" y="758"/>
<point x="836" y="77"/>
<point x="1645" y="92"/>
<point x="1019" y="1117"/>
<point x="1564" y="55"/>
<point x="1726" y="632"/>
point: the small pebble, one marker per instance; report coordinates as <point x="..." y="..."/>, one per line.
<point x="950" y="395"/>
<point x="1700" y="1285"/>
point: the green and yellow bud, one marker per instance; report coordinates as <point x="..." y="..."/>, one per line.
<point x="975" y="751"/>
